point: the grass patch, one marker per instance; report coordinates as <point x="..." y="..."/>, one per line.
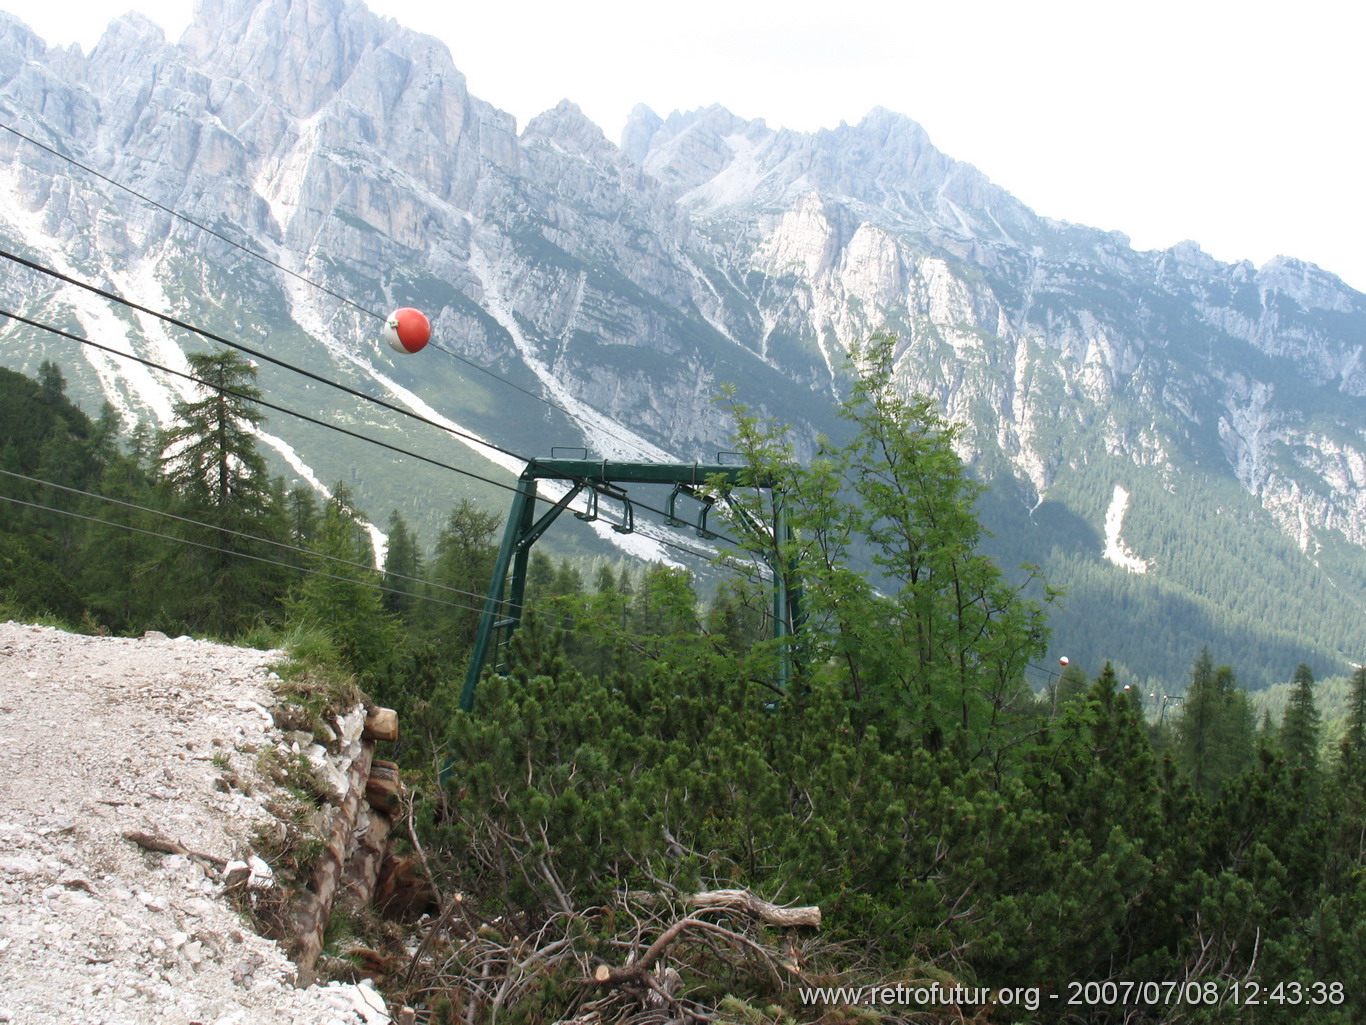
<point x="313" y="688"/>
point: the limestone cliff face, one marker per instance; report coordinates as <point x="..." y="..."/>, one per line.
<point x="1018" y="324"/>
<point x="628" y="283"/>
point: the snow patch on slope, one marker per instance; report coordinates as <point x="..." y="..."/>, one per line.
<point x="1115" y="549"/>
<point x="124" y="383"/>
<point x="605" y="435"/>
<point x="736" y="182"/>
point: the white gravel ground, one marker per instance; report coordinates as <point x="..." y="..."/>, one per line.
<point x="99" y="736"/>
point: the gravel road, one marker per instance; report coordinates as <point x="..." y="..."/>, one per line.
<point x="101" y="736"/>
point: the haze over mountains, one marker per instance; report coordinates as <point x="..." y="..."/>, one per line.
<point x="1177" y="440"/>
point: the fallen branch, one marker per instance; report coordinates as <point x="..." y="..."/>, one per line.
<point x="742" y="900"/>
<point x="163" y="846"/>
<point x="452" y="906"/>
<point x="638" y="970"/>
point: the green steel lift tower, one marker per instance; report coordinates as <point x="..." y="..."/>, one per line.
<point x="605" y="478"/>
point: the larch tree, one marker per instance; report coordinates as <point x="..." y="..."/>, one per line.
<point x="217" y="476"/>
<point x="935" y="635"/>
<point x="210" y="456"/>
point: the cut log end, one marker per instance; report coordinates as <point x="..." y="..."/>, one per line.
<point x="381" y="724"/>
<point x="384" y="788"/>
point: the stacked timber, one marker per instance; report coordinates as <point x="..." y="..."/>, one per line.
<point x="355" y="834"/>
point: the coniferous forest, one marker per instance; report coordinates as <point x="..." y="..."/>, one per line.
<point x="979" y="850"/>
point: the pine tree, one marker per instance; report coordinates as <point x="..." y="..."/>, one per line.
<point x="1301" y="724"/>
<point x="735" y="617"/>
<point x="118" y="570"/>
<point x="540" y="579"/>
<point x="1214" y="732"/>
<point x="1196" y="725"/>
<point x="1238" y="733"/>
<point x="604" y="580"/>
<point x="568" y="579"/>
<point x="1098" y="884"/>
<point x="343" y="601"/>
<point x="1071" y="684"/>
<point x="461" y="564"/>
<point x="1352" y="749"/>
<point x="301" y="510"/>
<point x="51" y="382"/>
<point x="666" y="604"/>
<point x="44" y="436"/>
<point x="402" y="559"/>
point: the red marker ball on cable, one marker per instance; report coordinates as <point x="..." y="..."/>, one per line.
<point x="407" y="330"/>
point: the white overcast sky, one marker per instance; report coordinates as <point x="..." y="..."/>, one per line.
<point x="1236" y="123"/>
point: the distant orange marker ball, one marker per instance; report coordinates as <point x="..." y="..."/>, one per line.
<point x="1063" y="661"/>
<point x="407" y="330"/>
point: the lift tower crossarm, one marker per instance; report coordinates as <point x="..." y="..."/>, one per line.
<point x="605" y="470"/>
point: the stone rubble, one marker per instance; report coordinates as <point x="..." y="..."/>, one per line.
<point x="101" y="736"/>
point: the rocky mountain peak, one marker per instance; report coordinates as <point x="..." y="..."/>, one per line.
<point x="1309" y="285"/>
<point x="132" y="29"/>
<point x="18" y="44"/>
<point x="300" y="52"/>
<point x="1188" y="254"/>
<point x="641" y="126"/>
<point x="566" y="127"/>
<point x="689" y="149"/>
<point x="131" y="55"/>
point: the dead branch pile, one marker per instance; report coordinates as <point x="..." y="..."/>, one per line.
<point x="643" y="958"/>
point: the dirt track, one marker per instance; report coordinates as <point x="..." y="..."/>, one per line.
<point x="102" y="736"/>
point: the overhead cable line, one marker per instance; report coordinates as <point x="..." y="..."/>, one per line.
<point x="295" y="274"/>
<point x="114" y="297"/>
<point x="229" y="551"/>
<point x="257" y="353"/>
<point x="242" y="534"/>
<point x="325" y="424"/>
<point x="256" y="399"/>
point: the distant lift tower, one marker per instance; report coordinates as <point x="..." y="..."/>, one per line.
<point x="601" y="478"/>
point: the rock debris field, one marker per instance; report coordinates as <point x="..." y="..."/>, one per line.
<point x="103" y="736"/>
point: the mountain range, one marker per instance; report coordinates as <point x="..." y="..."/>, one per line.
<point x="1176" y="440"/>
